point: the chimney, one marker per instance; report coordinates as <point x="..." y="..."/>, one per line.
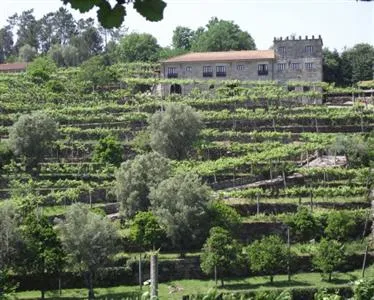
<point x="306" y="37"/>
<point x="299" y="37"/>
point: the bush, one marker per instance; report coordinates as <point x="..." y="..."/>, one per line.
<point x="340" y="225"/>
<point x="364" y="289"/>
<point x="108" y="150"/>
<point x="224" y="216"/>
<point x="304" y="225"/>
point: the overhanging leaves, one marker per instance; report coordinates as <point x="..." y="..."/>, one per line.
<point x="109" y="17"/>
<point x="152" y="10"/>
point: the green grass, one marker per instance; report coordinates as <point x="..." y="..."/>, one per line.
<point x="302" y="280"/>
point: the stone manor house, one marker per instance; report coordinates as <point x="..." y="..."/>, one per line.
<point x="292" y="59"/>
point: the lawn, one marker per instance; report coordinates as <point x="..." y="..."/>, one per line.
<point x="184" y="287"/>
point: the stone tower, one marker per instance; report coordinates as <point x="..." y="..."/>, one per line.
<point x="298" y="59"/>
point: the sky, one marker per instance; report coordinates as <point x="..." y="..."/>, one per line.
<point x="341" y="23"/>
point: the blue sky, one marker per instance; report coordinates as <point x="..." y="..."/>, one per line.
<point x="340" y="23"/>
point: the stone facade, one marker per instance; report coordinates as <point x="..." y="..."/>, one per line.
<point x="301" y="59"/>
<point x="292" y="59"/>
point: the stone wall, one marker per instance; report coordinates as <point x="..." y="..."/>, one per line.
<point x="295" y="52"/>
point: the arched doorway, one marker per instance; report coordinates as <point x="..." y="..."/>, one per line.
<point x="175" y="89"/>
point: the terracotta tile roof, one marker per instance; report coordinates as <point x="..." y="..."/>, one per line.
<point x="13" y="67"/>
<point x="222" y="56"/>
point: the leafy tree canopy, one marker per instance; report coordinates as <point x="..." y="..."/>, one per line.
<point x="268" y="255"/>
<point x="32" y="136"/>
<point x="42" y="253"/>
<point x="146" y="231"/>
<point x="222" y="35"/>
<point x="136" y="177"/>
<point x="222" y="252"/>
<point x="329" y="255"/>
<point x="174" y="130"/>
<point x="138" y="47"/>
<point x="89" y="241"/>
<point x="181" y="204"/>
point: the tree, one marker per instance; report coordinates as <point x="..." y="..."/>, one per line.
<point x="64" y="26"/>
<point x="138" y="47"/>
<point x="95" y="72"/>
<point x="136" y="177"/>
<point x="355" y="148"/>
<point x="9" y="234"/>
<point x="70" y="55"/>
<point x="88" y="39"/>
<point x="108" y="150"/>
<point x="268" y="255"/>
<point x="182" y="38"/>
<point x="340" y="226"/>
<point x="9" y="240"/>
<point x="5" y="154"/>
<point x="111" y="17"/>
<point x="32" y="136"/>
<point x="222" y="35"/>
<point x="181" y="204"/>
<point x="6" y="43"/>
<point x="174" y="130"/>
<point x="361" y="59"/>
<point x="221" y="253"/>
<point x="27" y="53"/>
<point x="329" y="255"/>
<point x="146" y="231"/>
<point x="304" y="225"/>
<point x="27" y="29"/>
<point x="332" y="66"/>
<point x="42" y="252"/>
<point x="224" y="216"/>
<point x="41" y="69"/>
<point x="89" y="241"/>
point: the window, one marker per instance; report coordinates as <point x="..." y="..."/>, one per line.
<point x="295" y="66"/>
<point x="262" y="69"/>
<point x="282" y="50"/>
<point x="309" y="66"/>
<point x="188" y="69"/>
<point x="308" y="49"/>
<point x="240" y="67"/>
<point x="281" y="67"/>
<point x="220" y="71"/>
<point x="207" y="71"/>
<point x="172" y="72"/>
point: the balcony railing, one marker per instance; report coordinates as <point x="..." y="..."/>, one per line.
<point x="172" y="75"/>
<point x="263" y="72"/>
<point x="220" y="74"/>
<point x="207" y="74"/>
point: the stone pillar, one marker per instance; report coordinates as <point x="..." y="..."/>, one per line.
<point x="154" y="276"/>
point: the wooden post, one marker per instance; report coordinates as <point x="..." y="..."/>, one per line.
<point x="258" y="203"/>
<point x="154" y="276"/>
<point x="140" y="271"/>
<point x="288" y="254"/>
<point x="364" y="262"/>
<point x="215" y="275"/>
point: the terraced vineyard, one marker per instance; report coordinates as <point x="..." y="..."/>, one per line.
<point x="255" y="151"/>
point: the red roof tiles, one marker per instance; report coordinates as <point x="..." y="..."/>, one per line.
<point x="13" y="67"/>
<point x="223" y="56"/>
